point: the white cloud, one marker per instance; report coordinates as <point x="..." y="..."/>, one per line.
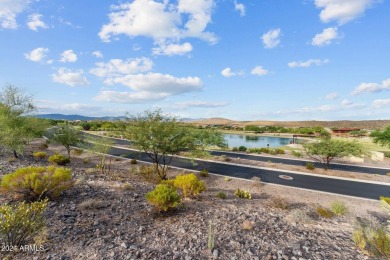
<point x="227" y="72"/>
<point x="68" y="56"/>
<point x="160" y="20"/>
<point x="97" y="54"/>
<point x="308" y="63"/>
<point x="332" y="96"/>
<point x="379" y="103"/>
<point x="129" y="97"/>
<point x="271" y="39"/>
<point x="346" y="102"/>
<point x="325" y="37"/>
<point x="201" y="104"/>
<point x="118" y="67"/>
<point x="37" y="55"/>
<point x="173" y="49"/>
<point x="158" y="83"/>
<point x="342" y="11"/>
<point x="9" y="9"/>
<point x="259" y="70"/>
<point x="70" y="78"/>
<point x="372" y="87"/>
<point x="34" y="22"/>
<point x="240" y="8"/>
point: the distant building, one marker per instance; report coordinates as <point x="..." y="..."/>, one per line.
<point x="343" y="131"/>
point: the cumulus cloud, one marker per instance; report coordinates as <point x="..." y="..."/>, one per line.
<point x="97" y="54"/>
<point x="342" y="11"/>
<point x="70" y="78"/>
<point x="201" y="104"/>
<point x="68" y="56"/>
<point x="372" y="87"/>
<point x="379" y="103"/>
<point x="271" y="39"/>
<point x="9" y="9"/>
<point x="37" y="55"/>
<point x="240" y="8"/>
<point x="158" y="83"/>
<point x="118" y="67"/>
<point x="162" y="21"/>
<point x="325" y="37"/>
<point x="259" y="70"/>
<point x="332" y="96"/>
<point x="308" y="63"/>
<point x="34" y="22"/>
<point x="173" y="49"/>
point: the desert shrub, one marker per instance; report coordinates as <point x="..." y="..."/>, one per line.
<point x="126" y="186"/>
<point x="324" y="212"/>
<point x="163" y="198"/>
<point x="33" y="183"/>
<point x="272" y="152"/>
<point x="59" y="159"/>
<point x="252" y="150"/>
<point x="221" y="195"/>
<point x="77" y="152"/>
<point x="92" y="204"/>
<point x="338" y="208"/>
<point x="386" y="154"/>
<point x="372" y="238"/>
<point x="148" y="173"/>
<point x="280" y="151"/>
<point x="204" y="173"/>
<point x="299" y="216"/>
<point x="297" y="154"/>
<point x="225" y="158"/>
<point x="242" y="148"/>
<point x="169" y="182"/>
<point x="388" y="174"/>
<point x="39" y="155"/>
<point x="11" y="159"/>
<point x="310" y="166"/>
<point x="86" y="160"/>
<point x="227" y="179"/>
<point x="280" y="203"/>
<point x="235" y="149"/>
<point x="21" y="223"/>
<point x="264" y="150"/>
<point x="385" y="199"/>
<point x="242" y="194"/>
<point x="256" y="180"/>
<point x="189" y="184"/>
<point x="43" y="146"/>
<point x="133" y="161"/>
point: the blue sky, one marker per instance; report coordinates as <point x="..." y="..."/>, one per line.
<point x="242" y="60"/>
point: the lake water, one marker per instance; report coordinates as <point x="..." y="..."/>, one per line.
<point x="251" y="141"/>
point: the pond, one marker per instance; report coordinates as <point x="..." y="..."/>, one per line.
<point x="251" y="141"/>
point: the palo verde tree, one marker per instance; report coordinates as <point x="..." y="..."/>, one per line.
<point x="382" y="137"/>
<point x="161" y="137"/>
<point x="66" y="135"/>
<point x="328" y="149"/>
<point x="17" y="126"/>
<point x="203" y="138"/>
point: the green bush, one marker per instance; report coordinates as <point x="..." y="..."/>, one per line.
<point x="372" y="238"/>
<point x="34" y="183"/>
<point x="227" y="179"/>
<point x="280" y="203"/>
<point x="385" y="199"/>
<point x="163" y="198"/>
<point x="77" y="152"/>
<point x="39" y="155"/>
<point x="264" y="150"/>
<point x="133" y="161"/>
<point x="324" y="212"/>
<point x="338" y="208"/>
<point x="21" y="223"/>
<point x="242" y="194"/>
<point x="272" y="152"/>
<point x="242" y="148"/>
<point x="169" y="182"/>
<point x="221" y="195"/>
<point x="297" y="154"/>
<point x="189" y="184"/>
<point x="310" y="166"/>
<point x="225" y="158"/>
<point x="204" y="173"/>
<point x="235" y="149"/>
<point x="386" y="154"/>
<point x="59" y="159"/>
<point x="280" y="151"/>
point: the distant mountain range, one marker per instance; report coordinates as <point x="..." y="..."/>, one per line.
<point x="78" y="117"/>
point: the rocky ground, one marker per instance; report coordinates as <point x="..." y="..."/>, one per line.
<point x="107" y="217"/>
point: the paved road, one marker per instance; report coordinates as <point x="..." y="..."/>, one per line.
<point x="345" y="187"/>
<point x="342" y="167"/>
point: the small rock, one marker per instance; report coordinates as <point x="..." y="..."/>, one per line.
<point x="215" y="253"/>
<point x="124" y="245"/>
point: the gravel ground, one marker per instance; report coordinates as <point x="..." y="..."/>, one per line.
<point x="107" y="217"/>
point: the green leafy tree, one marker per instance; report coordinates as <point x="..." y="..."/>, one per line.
<point x="160" y="137"/>
<point x="17" y="126"/>
<point x="358" y="133"/>
<point x="382" y="137"/>
<point x="67" y="136"/>
<point x="328" y="149"/>
<point x="203" y="138"/>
